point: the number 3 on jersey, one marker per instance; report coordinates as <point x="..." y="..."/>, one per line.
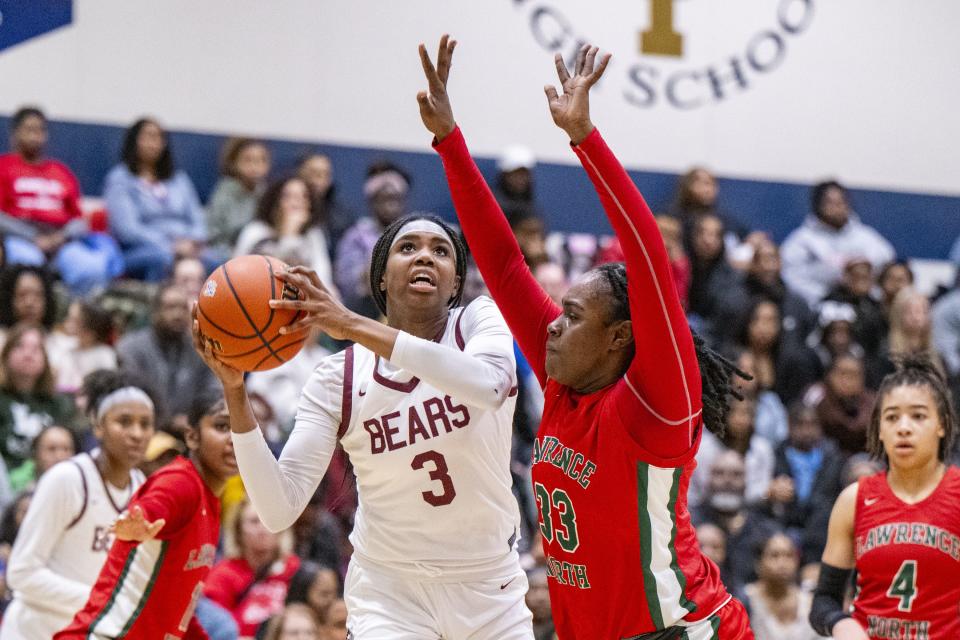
<point x="904" y="585"/>
<point x="441" y="473"/>
<point x="567" y="534"/>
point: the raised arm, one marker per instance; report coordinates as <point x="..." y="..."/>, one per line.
<point x="524" y="304"/>
<point x="664" y="377"/>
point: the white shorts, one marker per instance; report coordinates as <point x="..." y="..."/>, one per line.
<point x="384" y="607"/>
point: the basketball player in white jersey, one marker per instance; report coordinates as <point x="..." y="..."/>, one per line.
<point x="65" y="536"/>
<point x="423" y="406"/>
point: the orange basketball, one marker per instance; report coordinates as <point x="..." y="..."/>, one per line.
<point x="236" y="319"/>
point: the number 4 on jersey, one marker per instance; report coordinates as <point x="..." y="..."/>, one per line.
<point x="904" y="585"/>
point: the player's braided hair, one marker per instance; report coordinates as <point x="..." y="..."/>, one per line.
<point x="716" y="371"/>
<point x="381" y="251"/>
<point x="916" y="370"/>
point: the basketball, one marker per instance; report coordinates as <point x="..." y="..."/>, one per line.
<point x="236" y="319"/>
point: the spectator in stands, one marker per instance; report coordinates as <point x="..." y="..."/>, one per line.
<point x="293" y="622"/>
<point x="770" y="421"/>
<point x="855" y="289"/>
<point x="843" y="404"/>
<point x="288" y="226"/>
<point x="911" y="331"/>
<point x="154" y="210"/>
<point x="385" y="190"/>
<point x="778" y="607"/>
<point x="834" y="335"/>
<point x="713" y="543"/>
<point x="538" y="601"/>
<point x="252" y="581"/>
<point x="244" y="166"/>
<point x="806" y="481"/>
<point x="712" y="276"/>
<point x="316" y="586"/>
<point x="697" y="193"/>
<point x="739" y="436"/>
<point x="945" y="323"/>
<point x="554" y="281"/>
<point x="531" y="234"/>
<point x="762" y="280"/>
<point x="318" y="535"/>
<point x="164" y="354"/>
<point x="89" y="350"/>
<point x="28" y="401"/>
<point x="726" y="507"/>
<point x="859" y="466"/>
<point x="14" y="511"/>
<point x="40" y="211"/>
<point x="189" y="274"/>
<point x="514" y="186"/>
<point x="53" y="444"/>
<point x="335" y="627"/>
<point x="317" y="170"/>
<point x="26" y="295"/>
<point x="815" y="253"/>
<point x="779" y="365"/>
<point x="893" y="277"/>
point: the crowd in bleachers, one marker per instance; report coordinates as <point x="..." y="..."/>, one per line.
<point x="816" y="321"/>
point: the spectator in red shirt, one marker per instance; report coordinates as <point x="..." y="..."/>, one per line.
<point x="40" y="206"/>
<point x="252" y="584"/>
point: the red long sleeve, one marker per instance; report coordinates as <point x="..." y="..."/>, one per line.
<point x="524" y="304"/>
<point x="664" y="378"/>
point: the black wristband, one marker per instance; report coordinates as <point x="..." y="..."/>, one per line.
<point x="827" y="609"/>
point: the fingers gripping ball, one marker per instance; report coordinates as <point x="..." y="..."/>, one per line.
<point x="236" y="319"/>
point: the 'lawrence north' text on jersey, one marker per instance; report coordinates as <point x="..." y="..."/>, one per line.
<point x="611" y="467"/>
<point x="908" y="561"/>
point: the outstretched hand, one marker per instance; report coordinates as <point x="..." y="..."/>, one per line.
<point x="133" y="525"/>
<point x="571" y="109"/>
<point x="435" y="109"/>
<point x="320" y="307"/>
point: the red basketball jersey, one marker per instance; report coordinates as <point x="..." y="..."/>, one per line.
<point x="622" y="554"/>
<point x="908" y="561"/>
<point x="611" y="468"/>
<point x="148" y="590"/>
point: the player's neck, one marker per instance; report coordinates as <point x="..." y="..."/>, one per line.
<point x="214" y="482"/>
<point x="914" y="484"/>
<point x="423" y="326"/>
<point x="116" y="474"/>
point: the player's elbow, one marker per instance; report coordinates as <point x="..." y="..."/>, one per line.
<point x="18" y="575"/>
<point x="278" y="522"/>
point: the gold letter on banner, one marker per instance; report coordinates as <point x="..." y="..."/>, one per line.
<point x="661" y="38"/>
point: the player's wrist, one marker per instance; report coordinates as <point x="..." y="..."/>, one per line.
<point x="579" y="131"/>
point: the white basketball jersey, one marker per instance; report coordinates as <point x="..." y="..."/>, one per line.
<point x="82" y="547"/>
<point x="433" y="472"/>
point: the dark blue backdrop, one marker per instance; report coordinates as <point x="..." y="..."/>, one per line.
<point x="919" y="226"/>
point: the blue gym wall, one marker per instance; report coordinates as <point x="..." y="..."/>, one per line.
<point x="919" y="225"/>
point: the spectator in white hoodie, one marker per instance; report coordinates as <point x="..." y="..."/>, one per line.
<point x="814" y="254"/>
